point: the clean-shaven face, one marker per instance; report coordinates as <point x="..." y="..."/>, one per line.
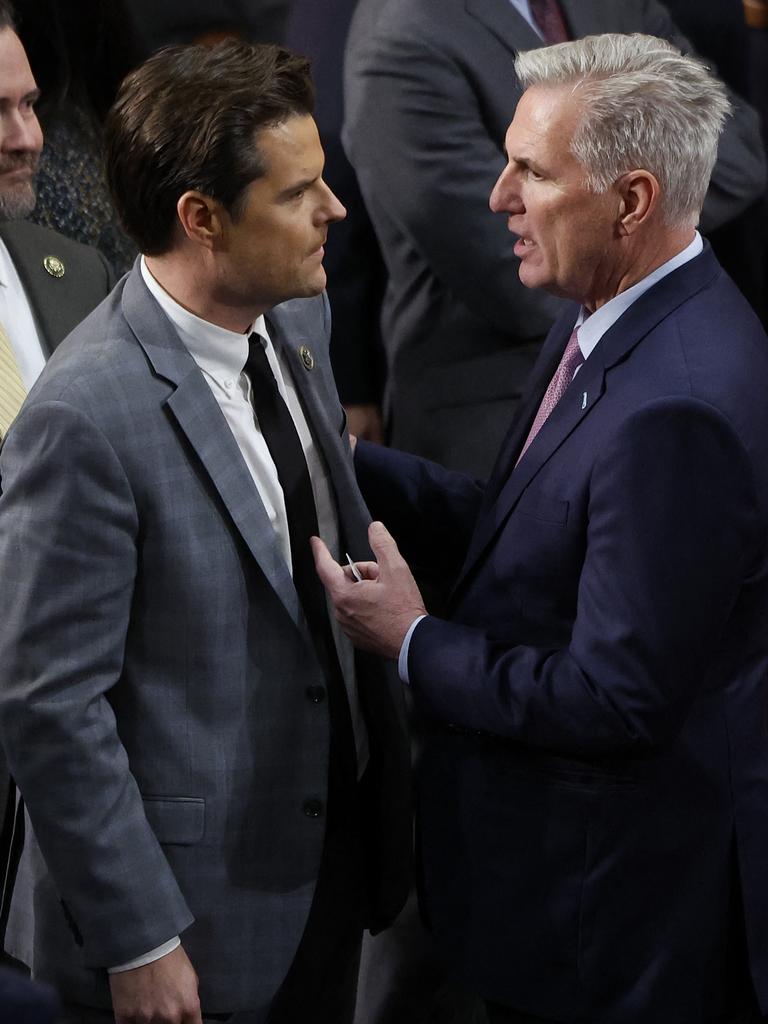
<point x="21" y="137"/>
<point x="275" y="247"/>
<point x="567" y="234"/>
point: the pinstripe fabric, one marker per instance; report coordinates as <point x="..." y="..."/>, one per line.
<point x="12" y="390"/>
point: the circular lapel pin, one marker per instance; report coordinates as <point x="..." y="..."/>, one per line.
<point x="307" y="358"/>
<point x="54" y="266"/>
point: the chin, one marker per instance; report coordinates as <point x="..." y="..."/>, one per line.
<point x="315" y="284"/>
<point x="531" y="279"/>
<point x="17" y="203"/>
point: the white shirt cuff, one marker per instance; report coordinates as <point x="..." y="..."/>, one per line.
<point x="147" y="958"/>
<point x="402" y="660"/>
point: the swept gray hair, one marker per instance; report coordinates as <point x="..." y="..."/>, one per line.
<point x="645" y="106"/>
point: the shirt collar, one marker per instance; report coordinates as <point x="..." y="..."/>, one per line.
<point x="5" y="259"/>
<point x="591" y="327"/>
<point x="218" y="351"/>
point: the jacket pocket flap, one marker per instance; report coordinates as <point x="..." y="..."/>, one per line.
<point x="176" y="819"/>
<point x="538" y="505"/>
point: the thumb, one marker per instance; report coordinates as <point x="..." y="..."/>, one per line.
<point x="383" y="546"/>
<point x="329" y="571"/>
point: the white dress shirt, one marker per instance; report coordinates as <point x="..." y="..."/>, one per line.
<point x="221" y="356"/>
<point x="18" y="321"/>
<point x="590" y="329"/>
<point x="523" y="7"/>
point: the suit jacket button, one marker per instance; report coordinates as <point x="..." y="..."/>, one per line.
<point x="313" y="808"/>
<point x="316" y="694"/>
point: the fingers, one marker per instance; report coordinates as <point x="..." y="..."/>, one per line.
<point x="384" y="547"/>
<point x="368" y="570"/>
<point x="330" y="572"/>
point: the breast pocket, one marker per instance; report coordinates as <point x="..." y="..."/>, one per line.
<point x="539" y="506"/>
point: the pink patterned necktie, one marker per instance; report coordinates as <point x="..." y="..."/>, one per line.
<point x="549" y="17"/>
<point x="570" y="361"/>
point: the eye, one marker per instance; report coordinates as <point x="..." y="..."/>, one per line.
<point x="534" y="175"/>
<point x="299" y="193"/>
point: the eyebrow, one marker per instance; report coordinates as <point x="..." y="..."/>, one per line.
<point x="286" y="193"/>
<point x="31" y="97"/>
<point x="522" y="163"/>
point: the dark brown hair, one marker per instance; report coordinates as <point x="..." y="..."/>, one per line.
<point x="188" y="118"/>
<point x="7" y="19"/>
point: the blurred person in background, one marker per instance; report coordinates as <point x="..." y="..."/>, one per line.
<point x="430" y="90"/>
<point x="79" y="51"/>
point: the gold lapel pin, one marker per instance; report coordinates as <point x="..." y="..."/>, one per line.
<point x="54" y="266"/>
<point x="306" y="357"/>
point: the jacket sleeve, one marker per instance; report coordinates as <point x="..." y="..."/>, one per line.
<point x="430" y="511"/>
<point x="670" y="546"/>
<point x="68" y="541"/>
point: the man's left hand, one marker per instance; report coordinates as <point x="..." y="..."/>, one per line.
<point x="376" y="612"/>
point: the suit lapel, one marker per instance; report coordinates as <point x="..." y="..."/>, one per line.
<point x="46" y="294"/>
<point x="541" y="375"/>
<point x="586" y="390"/>
<point x="593" y="17"/>
<point x="583" y="17"/>
<point x="576" y="404"/>
<point x="326" y="433"/>
<point x="590" y="18"/>
<point x="502" y="19"/>
<point x="199" y="417"/>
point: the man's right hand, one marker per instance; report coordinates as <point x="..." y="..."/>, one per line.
<point x="162" y="992"/>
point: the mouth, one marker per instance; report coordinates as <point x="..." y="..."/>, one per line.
<point x="23" y="167"/>
<point x="523" y="246"/>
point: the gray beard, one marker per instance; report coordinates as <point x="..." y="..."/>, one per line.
<point x="17" y="203"/>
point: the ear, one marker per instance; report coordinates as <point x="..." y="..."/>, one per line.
<point x="639" y="195"/>
<point x="200" y="218"/>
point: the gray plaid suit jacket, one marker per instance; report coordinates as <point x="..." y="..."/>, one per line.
<point x="156" y="674"/>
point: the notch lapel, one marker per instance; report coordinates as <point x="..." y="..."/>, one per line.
<point x="643" y="315"/>
<point x="199" y="417"/>
<point x="576" y="404"/>
<point x="317" y="409"/>
<point x="505" y="22"/>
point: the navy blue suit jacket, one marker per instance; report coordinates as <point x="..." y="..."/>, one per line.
<point x="26" y="1002"/>
<point x="594" y="794"/>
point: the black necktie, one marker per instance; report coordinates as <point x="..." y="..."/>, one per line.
<point x="279" y="432"/>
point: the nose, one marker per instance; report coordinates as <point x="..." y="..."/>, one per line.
<point x="335" y="209"/>
<point x="21" y="132"/>
<point x="505" y="196"/>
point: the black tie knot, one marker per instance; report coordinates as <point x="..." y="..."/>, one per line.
<point x="257" y="367"/>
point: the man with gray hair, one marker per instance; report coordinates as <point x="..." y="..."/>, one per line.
<point x="594" y="787"/>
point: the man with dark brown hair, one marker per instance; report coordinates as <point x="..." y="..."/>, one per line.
<point x="216" y="799"/>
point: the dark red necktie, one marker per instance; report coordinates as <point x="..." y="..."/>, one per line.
<point x="549" y="17"/>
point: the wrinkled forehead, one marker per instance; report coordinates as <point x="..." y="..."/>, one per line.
<point x="544" y="123"/>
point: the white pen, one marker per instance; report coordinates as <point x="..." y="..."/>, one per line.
<point x="355" y="570"/>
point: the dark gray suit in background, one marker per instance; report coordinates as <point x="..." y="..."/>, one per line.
<point x="58" y="303"/>
<point x="430" y="91"/>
